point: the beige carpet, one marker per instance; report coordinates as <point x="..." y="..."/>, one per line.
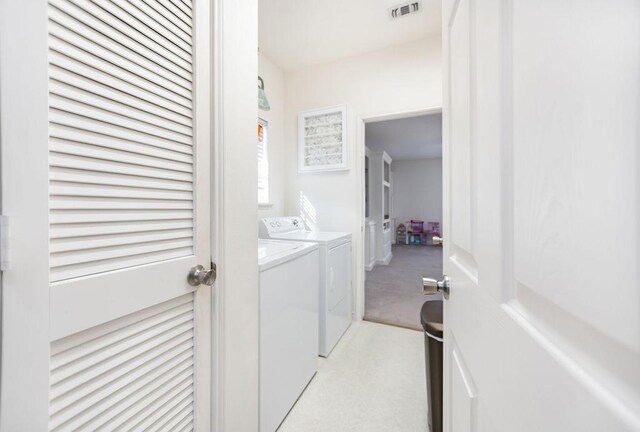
<point x="393" y="293"/>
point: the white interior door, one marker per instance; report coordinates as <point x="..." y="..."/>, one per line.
<point x="542" y="232"/>
<point x="106" y="184"/>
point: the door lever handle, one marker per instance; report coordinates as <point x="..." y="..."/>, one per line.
<point x="432" y="286"/>
<point x="199" y="276"/>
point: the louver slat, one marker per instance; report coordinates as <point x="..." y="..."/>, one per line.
<point x="113" y="130"/>
<point x="178" y="380"/>
<point x="83" y="183"/>
<point x="75" y="72"/>
<point x="137" y="369"/>
<point x="165" y="417"/>
<point x="61" y="105"/>
<point x="158" y="10"/>
<point x="185" y="7"/>
<point x="86" y="143"/>
<point x="123" y="71"/>
<point x="96" y="18"/>
<point x="79" y="33"/>
<point x="104" y="241"/>
<point x="121" y="141"/>
<point x="99" y="14"/>
<point x="110" y="154"/>
<point x="179" y="10"/>
<point x="136" y="24"/>
<point x="87" y="49"/>
<point x="86" y="229"/>
<point x="158" y="23"/>
<point x="90" y="216"/>
<point x="130" y="110"/>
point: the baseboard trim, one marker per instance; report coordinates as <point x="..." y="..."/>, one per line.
<point x="386" y="260"/>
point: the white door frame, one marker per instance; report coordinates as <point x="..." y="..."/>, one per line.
<point x="217" y="233"/>
<point x="358" y="167"/>
<point x="235" y="306"/>
<point x="24" y="139"/>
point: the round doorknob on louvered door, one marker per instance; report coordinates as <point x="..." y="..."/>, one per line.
<point x="198" y="275"/>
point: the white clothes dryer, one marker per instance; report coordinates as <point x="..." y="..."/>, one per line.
<point x="335" y="274"/>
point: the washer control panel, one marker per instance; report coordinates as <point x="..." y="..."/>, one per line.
<point x="278" y="225"/>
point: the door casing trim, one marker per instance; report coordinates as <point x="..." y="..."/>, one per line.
<point x="358" y="167"/>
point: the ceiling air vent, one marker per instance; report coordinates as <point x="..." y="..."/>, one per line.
<point x="405" y="9"/>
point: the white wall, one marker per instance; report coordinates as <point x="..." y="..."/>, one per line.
<point x="402" y="78"/>
<point x="417" y="190"/>
<point x="274" y="87"/>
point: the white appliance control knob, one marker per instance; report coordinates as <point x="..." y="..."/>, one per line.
<point x="273" y="224"/>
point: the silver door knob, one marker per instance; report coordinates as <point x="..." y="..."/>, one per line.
<point x="432" y="286"/>
<point x="436" y="240"/>
<point x="199" y="276"/>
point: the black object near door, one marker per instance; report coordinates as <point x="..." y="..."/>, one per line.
<point x="432" y="323"/>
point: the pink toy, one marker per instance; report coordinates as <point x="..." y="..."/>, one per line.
<point x="417" y="226"/>
<point x="433" y="228"/>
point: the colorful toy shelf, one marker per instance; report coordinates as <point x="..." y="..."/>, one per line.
<point x="413" y="233"/>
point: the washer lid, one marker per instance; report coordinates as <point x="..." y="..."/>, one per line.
<point x="274" y="252"/>
<point x="329" y="238"/>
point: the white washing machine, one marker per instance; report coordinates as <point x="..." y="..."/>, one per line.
<point x="335" y="274"/>
<point x="288" y="325"/>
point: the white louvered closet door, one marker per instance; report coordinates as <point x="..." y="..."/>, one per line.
<point x="129" y="171"/>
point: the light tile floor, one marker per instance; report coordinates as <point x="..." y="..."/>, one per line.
<point x="372" y="381"/>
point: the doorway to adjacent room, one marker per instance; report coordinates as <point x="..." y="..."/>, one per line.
<point x="403" y="215"/>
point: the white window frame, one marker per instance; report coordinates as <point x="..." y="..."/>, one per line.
<point x="263" y="165"/>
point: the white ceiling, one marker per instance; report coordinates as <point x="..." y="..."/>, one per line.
<point x="296" y="34"/>
<point x="408" y="138"/>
